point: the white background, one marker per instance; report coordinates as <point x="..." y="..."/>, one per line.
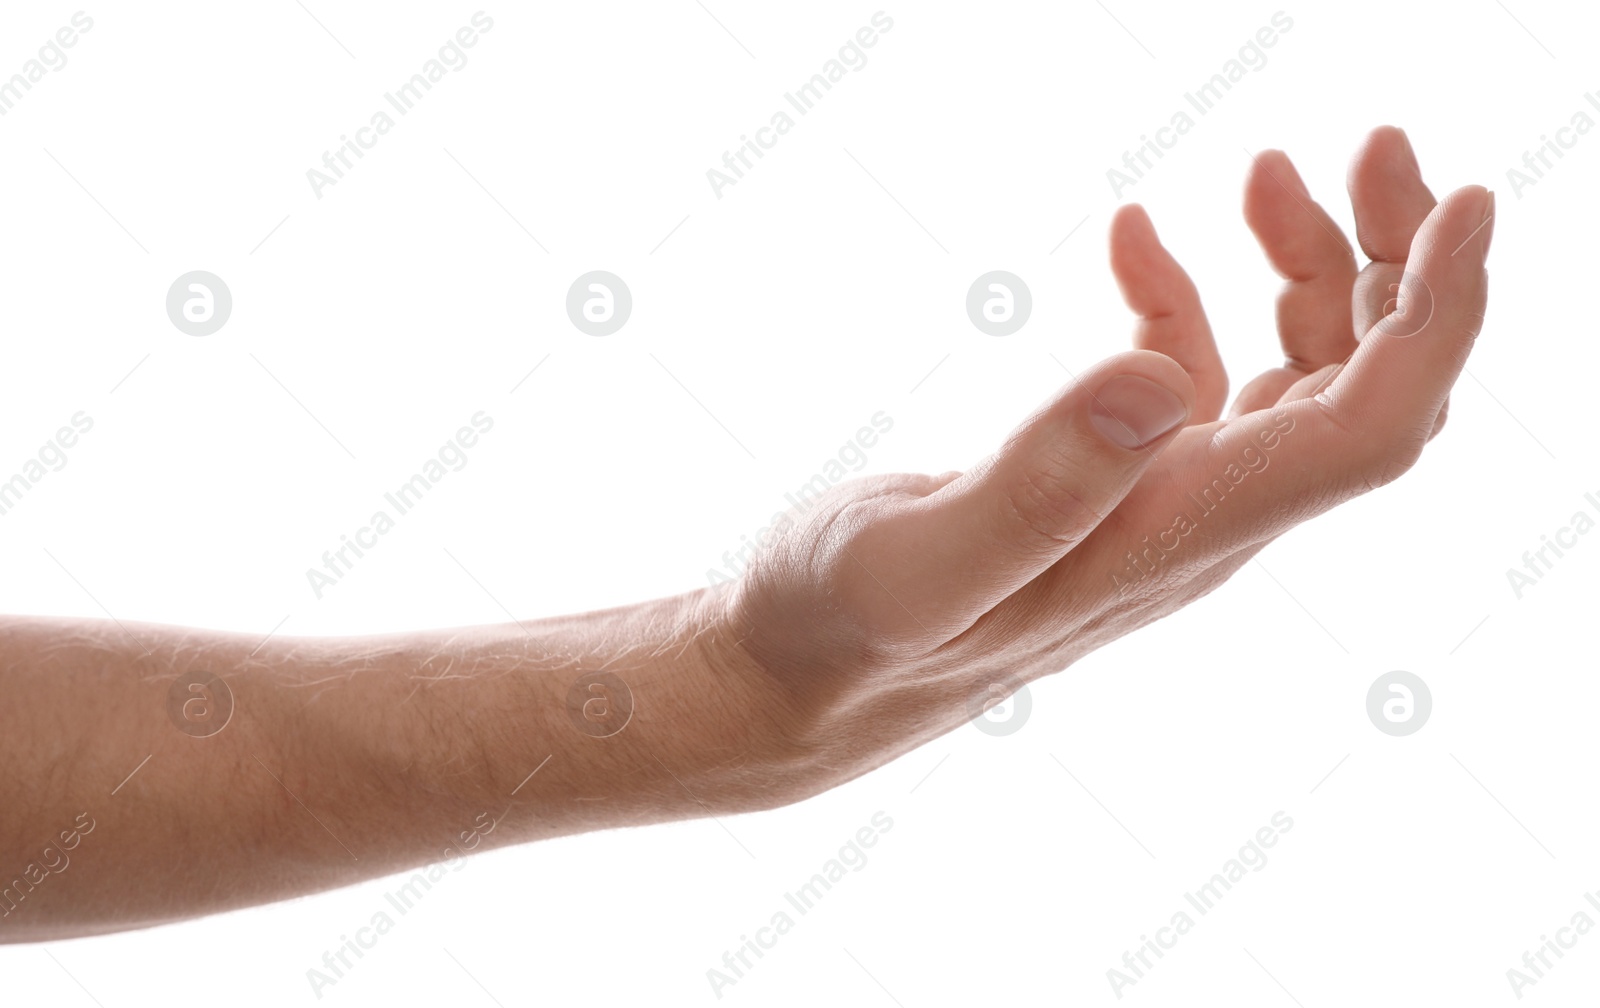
<point x="790" y="310"/>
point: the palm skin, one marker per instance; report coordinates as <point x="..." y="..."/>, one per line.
<point x="901" y="601"/>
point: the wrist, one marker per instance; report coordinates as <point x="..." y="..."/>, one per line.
<point x="645" y="713"/>
<point x="713" y="732"/>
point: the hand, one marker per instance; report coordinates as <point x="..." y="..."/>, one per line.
<point x="885" y="616"/>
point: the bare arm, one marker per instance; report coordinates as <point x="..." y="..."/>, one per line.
<point x="889" y="613"/>
<point x="343" y="759"/>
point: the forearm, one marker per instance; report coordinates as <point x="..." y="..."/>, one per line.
<point x="350" y="758"/>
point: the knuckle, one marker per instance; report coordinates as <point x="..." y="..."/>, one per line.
<point x="1379" y="454"/>
<point x="1386" y="459"/>
<point x="865" y="578"/>
<point x="1049" y="508"/>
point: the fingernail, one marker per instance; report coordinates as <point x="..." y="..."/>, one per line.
<point x="1488" y="227"/>
<point x="1130" y="411"/>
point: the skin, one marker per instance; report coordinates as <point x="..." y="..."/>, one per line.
<point x="883" y="618"/>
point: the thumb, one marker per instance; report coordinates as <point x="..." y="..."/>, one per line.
<point x="969" y="545"/>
